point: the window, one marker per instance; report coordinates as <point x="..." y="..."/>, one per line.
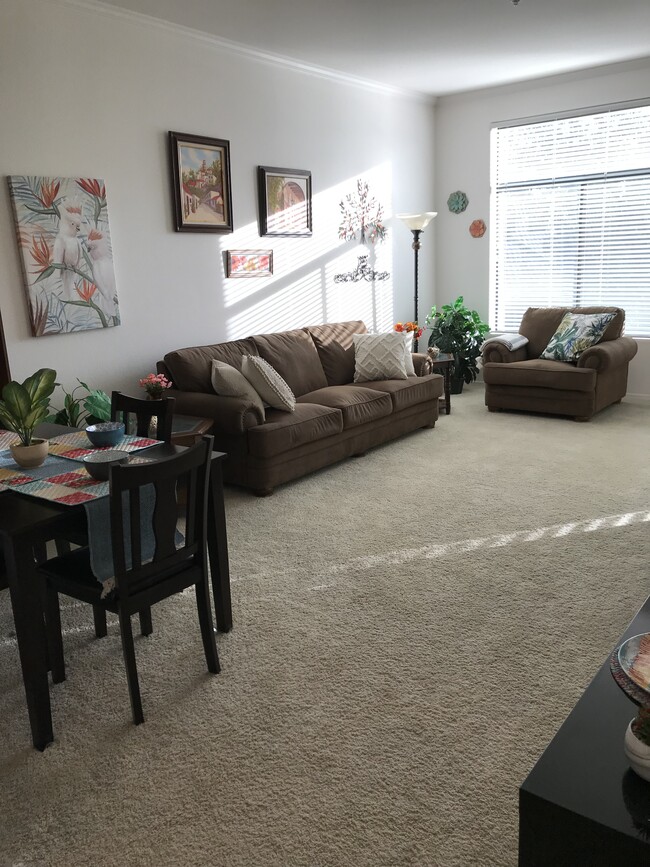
<point x="571" y="215"/>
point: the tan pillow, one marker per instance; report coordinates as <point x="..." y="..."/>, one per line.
<point x="268" y="383"/>
<point x="379" y="356"/>
<point x="228" y="381"/>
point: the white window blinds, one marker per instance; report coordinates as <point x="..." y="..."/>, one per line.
<point x="571" y="216"/>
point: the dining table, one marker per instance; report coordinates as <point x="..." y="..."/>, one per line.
<point x="27" y="522"/>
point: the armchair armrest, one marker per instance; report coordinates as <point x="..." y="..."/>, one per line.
<point x="499" y="353"/>
<point x="232" y="415"/>
<point x="612" y="353"/>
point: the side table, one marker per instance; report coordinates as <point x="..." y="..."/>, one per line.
<point x="186" y="429"/>
<point x="444" y="361"/>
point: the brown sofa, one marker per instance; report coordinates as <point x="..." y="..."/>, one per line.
<point x="522" y="380"/>
<point x="334" y="417"/>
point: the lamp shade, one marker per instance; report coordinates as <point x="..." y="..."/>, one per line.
<point x="417" y="222"/>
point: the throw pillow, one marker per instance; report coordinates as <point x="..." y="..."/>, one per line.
<point x="228" y="381"/>
<point x="379" y="356"/>
<point x="408" y="350"/>
<point x="576" y="332"/>
<point x="268" y="383"/>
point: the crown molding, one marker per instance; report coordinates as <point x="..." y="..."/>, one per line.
<point x="247" y="51"/>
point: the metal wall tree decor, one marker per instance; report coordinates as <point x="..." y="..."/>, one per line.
<point x="361" y="220"/>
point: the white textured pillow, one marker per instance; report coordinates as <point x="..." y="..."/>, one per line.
<point x="228" y="381"/>
<point x="408" y="358"/>
<point x="379" y="356"/>
<point x="268" y="383"/>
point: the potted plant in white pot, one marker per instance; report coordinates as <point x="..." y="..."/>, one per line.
<point x="24" y="406"/>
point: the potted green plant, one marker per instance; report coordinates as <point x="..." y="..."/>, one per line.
<point x="78" y="410"/>
<point x="458" y="330"/>
<point x="24" y="406"/>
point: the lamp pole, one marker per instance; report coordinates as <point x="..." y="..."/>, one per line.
<point x="416" y="246"/>
<point x="417" y="223"/>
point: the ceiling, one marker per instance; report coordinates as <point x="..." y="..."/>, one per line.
<point x="435" y="47"/>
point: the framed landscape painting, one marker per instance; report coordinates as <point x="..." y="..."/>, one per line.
<point x="284" y="201"/>
<point x="201" y="183"/>
<point x="64" y="240"/>
<point x="249" y="263"/>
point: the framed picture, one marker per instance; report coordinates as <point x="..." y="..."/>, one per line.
<point x="201" y="183"/>
<point x="64" y="239"/>
<point x="249" y="263"/>
<point x="284" y="201"/>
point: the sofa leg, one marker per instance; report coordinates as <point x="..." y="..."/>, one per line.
<point x="494" y="409"/>
<point x="263" y="492"/>
<point x="619" y="400"/>
<point x="359" y="454"/>
<point x="582" y="418"/>
<point x="428" y="426"/>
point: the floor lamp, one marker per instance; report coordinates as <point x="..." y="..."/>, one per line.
<point x="417" y="223"/>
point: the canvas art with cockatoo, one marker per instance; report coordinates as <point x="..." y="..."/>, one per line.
<point x="65" y="243"/>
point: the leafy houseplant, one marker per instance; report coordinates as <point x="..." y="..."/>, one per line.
<point x="24" y="406"/>
<point x="78" y="411"/>
<point x="460" y="331"/>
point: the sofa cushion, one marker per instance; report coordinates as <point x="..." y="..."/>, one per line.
<point x="357" y="404"/>
<point x="411" y="391"/>
<point x="285" y="431"/>
<point x="335" y="349"/>
<point x="230" y="382"/>
<point x="294" y="356"/>
<point x="540" y="323"/>
<point x="268" y="383"/>
<point x="379" y="356"/>
<point x="576" y="333"/>
<point x="191" y="368"/>
<point x="539" y="373"/>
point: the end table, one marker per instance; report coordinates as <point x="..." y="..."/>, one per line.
<point x="443" y="361"/>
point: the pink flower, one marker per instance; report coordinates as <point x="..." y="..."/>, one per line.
<point x="155" y="383"/>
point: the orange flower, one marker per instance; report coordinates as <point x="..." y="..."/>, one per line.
<point x="48" y="193"/>
<point x="87" y="290"/>
<point x="399" y="326"/>
<point x="41" y="254"/>
<point x="91" y="186"/>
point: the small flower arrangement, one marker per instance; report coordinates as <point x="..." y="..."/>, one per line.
<point x="155" y="383"/>
<point x="403" y="327"/>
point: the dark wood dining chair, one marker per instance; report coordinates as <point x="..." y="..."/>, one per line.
<point x="123" y="405"/>
<point x="139" y="584"/>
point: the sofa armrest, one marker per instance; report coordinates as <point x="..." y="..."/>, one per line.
<point x="421" y="363"/>
<point x="232" y="415"/>
<point x="612" y="353"/>
<point x="499" y="353"/>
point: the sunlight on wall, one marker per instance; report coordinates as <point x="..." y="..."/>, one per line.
<point x="302" y="290"/>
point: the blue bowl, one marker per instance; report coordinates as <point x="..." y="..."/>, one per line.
<point x="106" y="433"/>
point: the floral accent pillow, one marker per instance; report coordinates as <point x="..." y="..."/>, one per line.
<point x="576" y="332"/>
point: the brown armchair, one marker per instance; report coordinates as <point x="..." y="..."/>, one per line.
<point x="524" y="381"/>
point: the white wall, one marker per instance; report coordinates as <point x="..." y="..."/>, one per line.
<point x="462" y="161"/>
<point x="87" y="91"/>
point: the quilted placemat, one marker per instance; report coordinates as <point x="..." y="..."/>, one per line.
<point x="69" y="488"/>
<point x="7" y="438"/>
<point x="76" y="446"/>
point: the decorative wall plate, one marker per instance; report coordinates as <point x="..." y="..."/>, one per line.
<point x="477" y="229"/>
<point x="457" y="202"/>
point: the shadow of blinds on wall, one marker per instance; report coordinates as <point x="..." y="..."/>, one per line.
<point x="570" y="211"/>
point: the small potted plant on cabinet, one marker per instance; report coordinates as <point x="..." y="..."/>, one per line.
<point x="24" y="406"/>
<point x="460" y="331"/>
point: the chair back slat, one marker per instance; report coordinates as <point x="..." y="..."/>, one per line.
<point x="162" y="480"/>
<point x="123" y="406"/>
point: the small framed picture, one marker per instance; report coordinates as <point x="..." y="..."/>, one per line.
<point x="284" y="201"/>
<point x="249" y="263"/>
<point x="201" y="183"/>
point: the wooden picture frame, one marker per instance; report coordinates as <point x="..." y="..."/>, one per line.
<point x="201" y="188"/>
<point x="284" y="202"/>
<point x="249" y="263"/>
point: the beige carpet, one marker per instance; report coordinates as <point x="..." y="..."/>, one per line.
<point x="411" y="628"/>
